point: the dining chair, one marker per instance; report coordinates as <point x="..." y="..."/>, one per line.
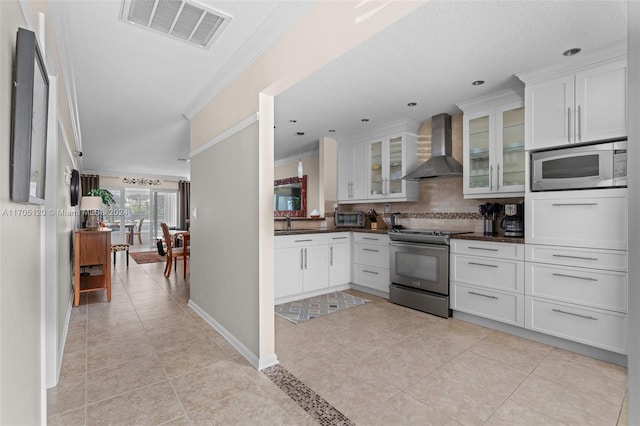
<point x="173" y="253"/>
<point x="138" y="232"/>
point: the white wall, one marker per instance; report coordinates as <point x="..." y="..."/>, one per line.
<point x="21" y="375"/>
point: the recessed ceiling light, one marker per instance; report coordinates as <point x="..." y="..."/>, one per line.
<point x="364" y="120"/>
<point x="412" y="104"/>
<point x="571" y="52"/>
<point x="300" y="133"/>
<point x="184" y="160"/>
<point x="293" y="121"/>
<point x="332" y="131"/>
<point x="478" y="82"/>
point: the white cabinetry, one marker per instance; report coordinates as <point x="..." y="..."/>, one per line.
<point x="493" y="145"/>
<point x="371" y="261"/>
<point x="371" y="165"/>
<point x="352" y="177"/>
<point x="339" y="258"/>
<point x="388" y="159"/>
<point x="578" y="294"/>
<point x="301" y="264"/>
<point x="487" y="280"/>
<point x="582" y="104"/>
<point x="311" y="264"/>
<point x="591" y="219"/>
<point x="576" y="278"/>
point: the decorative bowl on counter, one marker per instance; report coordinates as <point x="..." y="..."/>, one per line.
<point x="315" y="214"/>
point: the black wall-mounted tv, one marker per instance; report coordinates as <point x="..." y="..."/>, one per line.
<point x="29" y="121"/>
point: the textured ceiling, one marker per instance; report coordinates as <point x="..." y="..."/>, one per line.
<point x="432" y="56"/>
<point x="134" y="86"/>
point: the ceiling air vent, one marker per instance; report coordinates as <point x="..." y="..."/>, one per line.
<point x="183" y="20"/>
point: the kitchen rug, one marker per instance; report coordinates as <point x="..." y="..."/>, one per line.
<point x="318" y="306"/>
<point x="147" y="257"/>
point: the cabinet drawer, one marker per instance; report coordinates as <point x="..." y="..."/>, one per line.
<point x="300" y="240"/>
<point x="588" y="258"/>
<point x="604" y="329"/>
<point x="499" y="306"/>
<point x="590" y="219"/>
<point x="377" y="256"/>
<point x="371" y="238"/>
<point x="597" y="288"/>
<point x="488" y="249"/>
<point x="338" y="237"/>
<point x="488" y="272"/>
<point x="375" y="278"/>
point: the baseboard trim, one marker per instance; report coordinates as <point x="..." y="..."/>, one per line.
<point x="257" y="362"/>
<point x="383" y="294"/>
<point x="299" y="296"/>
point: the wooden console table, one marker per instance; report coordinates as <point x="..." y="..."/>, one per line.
<point x="92" y="248"/>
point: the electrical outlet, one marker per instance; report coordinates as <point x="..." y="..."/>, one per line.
<point x="387" y="208"/>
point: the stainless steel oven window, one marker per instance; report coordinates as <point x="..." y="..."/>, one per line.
<point x="418" y="266"/>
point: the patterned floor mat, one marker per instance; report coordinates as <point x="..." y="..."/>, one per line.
<point x="317" y="306"/>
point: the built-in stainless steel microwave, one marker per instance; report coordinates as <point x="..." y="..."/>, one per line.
<point x="601" y="165"/>
<point x="349" y="219"/>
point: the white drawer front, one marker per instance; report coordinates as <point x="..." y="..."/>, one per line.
<point x="488" y="272"/>
<point x="597" y="288"/>
<point x="375" y="278"/>
<point x="607" y="330"/>
<point x="371" y="238"/>
<point x="339" y="237"/>
<point x="377" y="256"/>
<point x="300" y="240"/>
<point x="499" y="306"/>
<point x="488" y="248"/>
<point x="588" y="258"/>
<point x="575" y="220"/>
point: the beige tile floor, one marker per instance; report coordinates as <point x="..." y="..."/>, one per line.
<point x="146" y="358"/>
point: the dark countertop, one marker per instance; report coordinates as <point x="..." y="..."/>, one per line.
<point x="494" y="238"/>
<point x="328" y="230"/>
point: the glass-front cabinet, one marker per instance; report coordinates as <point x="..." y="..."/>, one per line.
<point x="387" y="166"/>
<point x="493" y="145"/>
<point x="386" y="160"/>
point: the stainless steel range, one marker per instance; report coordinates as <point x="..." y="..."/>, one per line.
<point x="420" y="270"/>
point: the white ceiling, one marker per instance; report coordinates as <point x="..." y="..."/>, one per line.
<point x="134" y="86"/>
<point x="432" y="56"/>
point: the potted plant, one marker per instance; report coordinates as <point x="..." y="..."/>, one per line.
<point x="107" y="196"/>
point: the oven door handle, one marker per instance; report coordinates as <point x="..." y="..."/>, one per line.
<point x="420" y="246"/>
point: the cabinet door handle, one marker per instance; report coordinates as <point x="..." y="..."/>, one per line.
<point x="331" y="256"/>
<point x="369" y="238"/>
<point x="574" y="276"/>
<point x="338" y="238"/>
<point x="483" y="295"/>
<point x="367" y="249"/>
<point x="579" y="123"/>
<point x="370" y="272"/>
<point x="574" y="257"/>
<point x="573" y="204"/>
<point x="560" y="311"/>
<point x="569" y="124"/>
<point x="498" y="177"/>
<point x="483" y="248"/>
<point x="491" y="177"/>
<point x="483" y="264"/>
<point x="305" y="258"/>
<point x="302" y="241"/>
<point x="301" y="259"/>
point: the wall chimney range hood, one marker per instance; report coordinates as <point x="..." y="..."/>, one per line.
<point x="441" y="164"/>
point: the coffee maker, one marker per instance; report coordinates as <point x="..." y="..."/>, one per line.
<point x="513" y="220"/>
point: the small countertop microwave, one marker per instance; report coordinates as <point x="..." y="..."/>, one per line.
<point x="600" y="165"/>
<point x="349" y="219"/>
